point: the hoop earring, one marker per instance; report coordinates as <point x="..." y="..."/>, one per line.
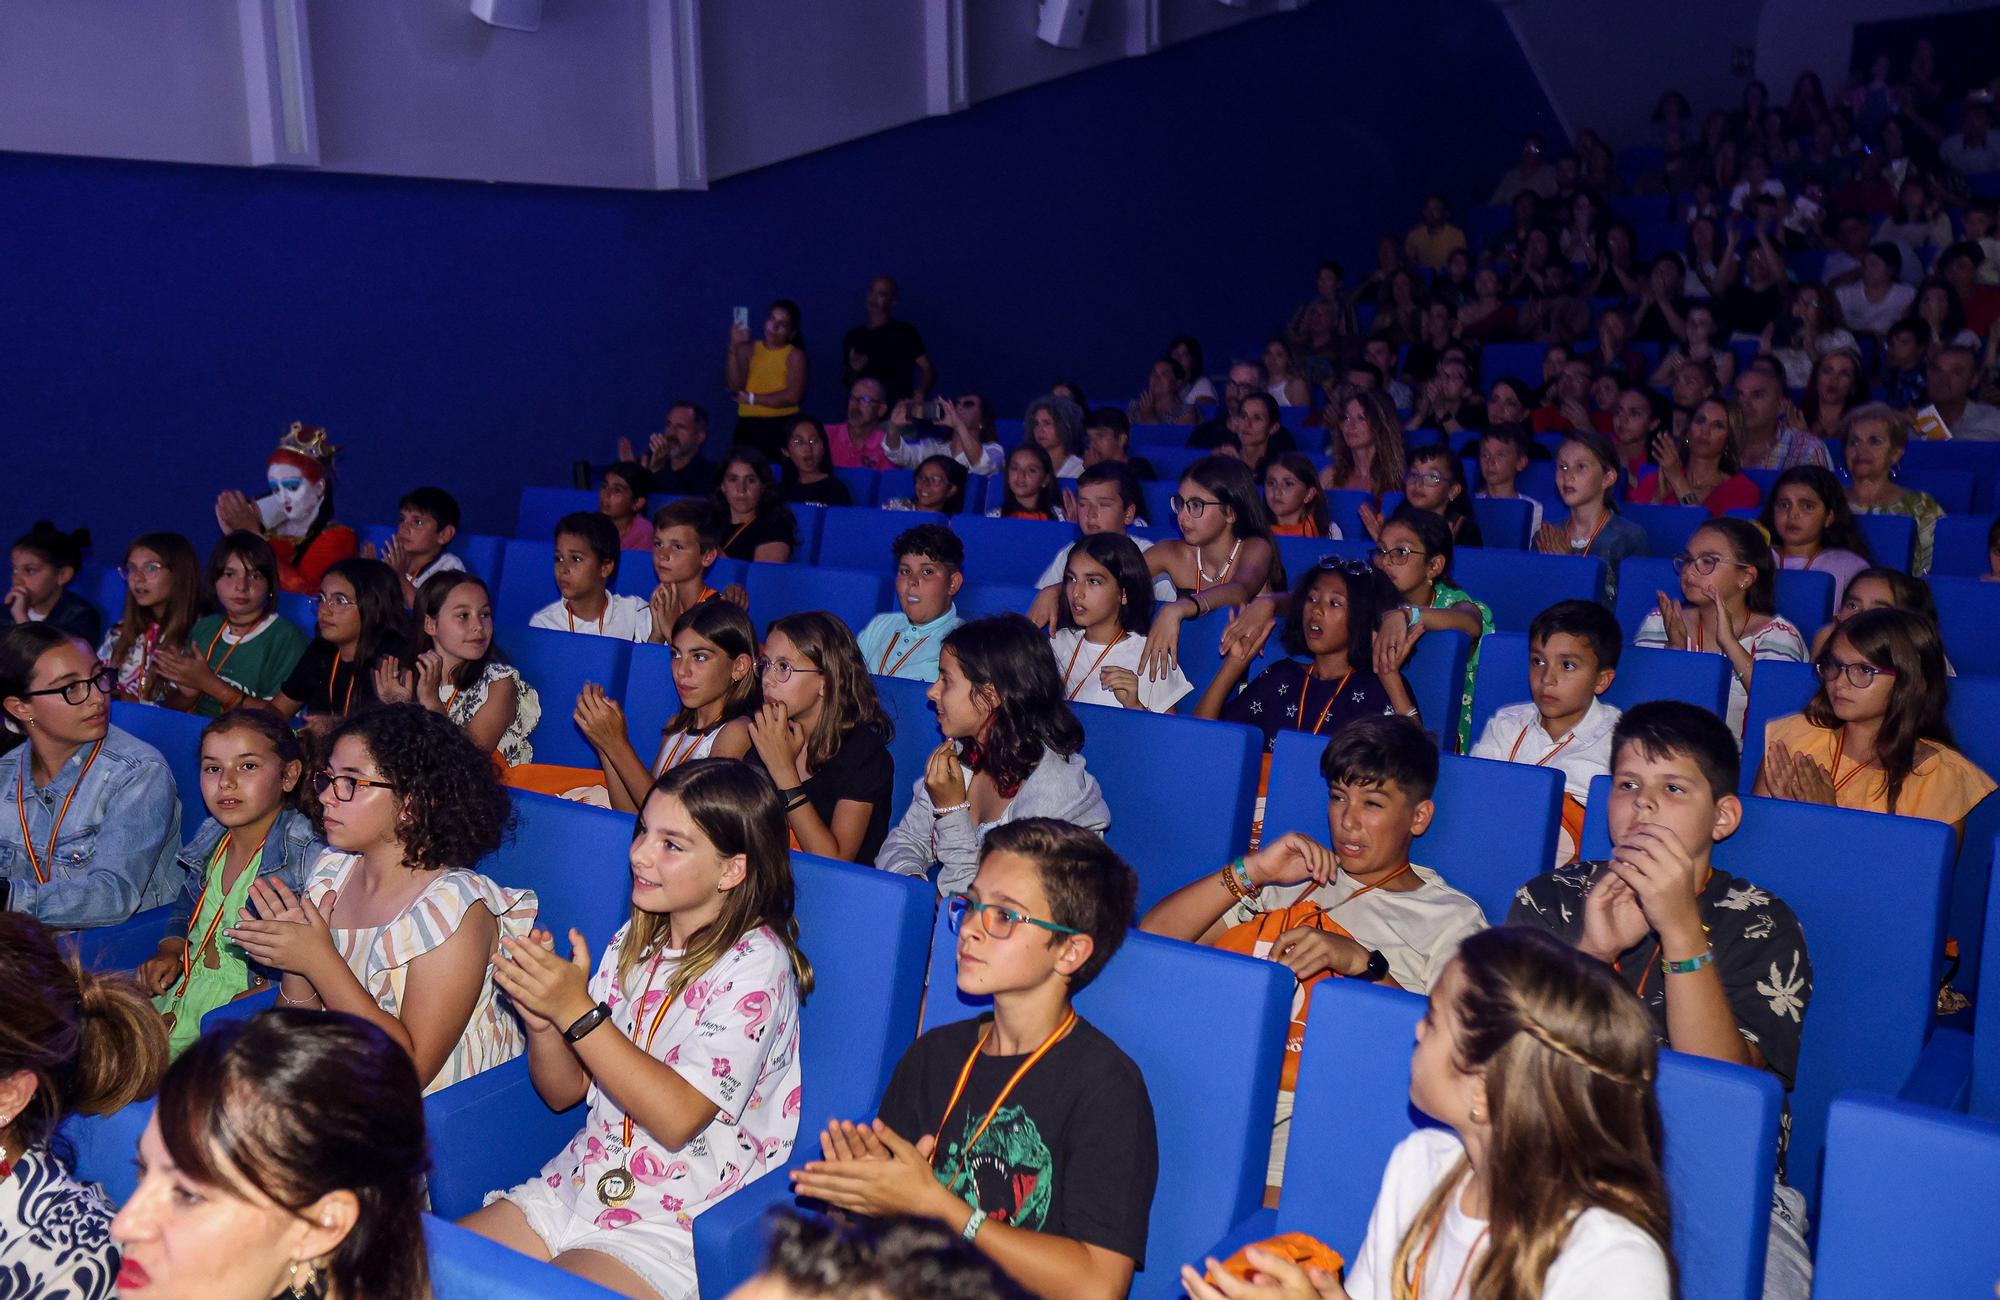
<point x="300" y="1287"/>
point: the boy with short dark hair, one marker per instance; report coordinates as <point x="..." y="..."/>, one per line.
<point x="930" y="569"/>
<point x="1107" y="438"/>
<point x="1028" y="1130"/>
<point x="1503" y="458"/>
<point x="426" y="523"/>
<point x="1107" y="499"/>
<point x="1360" y="909"/>
<point x="586" y="561"/>
<point x="621" y="498"/>
<point x="1573" y="649"/>
<point x="1905" y="350"/>
<point x="687" y="540"/>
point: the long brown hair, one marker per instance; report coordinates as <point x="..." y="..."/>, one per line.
<point x="1569" y="1059"/>
<point x="1386" y="471"/>
<point x="92" y="1042"/>
<point x="737" y="807"/>
<point x="728" y="629"/>
<point x="187" y="595"/>
<point x="850" y="695"/>
<point x="1909" y="643"/>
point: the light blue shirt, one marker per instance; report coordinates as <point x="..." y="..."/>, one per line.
<point x="115" y="855"/>
<point x="893" y="646"/>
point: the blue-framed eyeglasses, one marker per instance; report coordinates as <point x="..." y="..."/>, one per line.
<point x="996" y="919"/>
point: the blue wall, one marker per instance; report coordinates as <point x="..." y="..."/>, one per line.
<point x="160" y="325"/>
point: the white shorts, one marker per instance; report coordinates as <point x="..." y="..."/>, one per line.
<point x="659" y="1251"/>
<point x="1281" y="1137"/>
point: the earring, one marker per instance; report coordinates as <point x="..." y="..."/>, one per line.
<point x="1478" y="1113"/>
<point x="301" y="1286"/>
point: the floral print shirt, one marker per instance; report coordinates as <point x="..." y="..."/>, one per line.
<point x="55" y="1234"/>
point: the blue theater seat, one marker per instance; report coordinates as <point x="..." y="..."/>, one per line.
<point x="1010" y="550"/>
<point x="1211" y="1070"/>
<point x="855" y="537"/>
<point x="648" y="696"/>
<point x="576" y="857"/>
<point x="917" y="734"/>
<point x="527" y="582"/>
<point x="542" y="507"/>
<point x="1517" y="585"/>
<point x="1805" y="598"/>
<point x="105" y="1146"/>
<point x="980" y="599"/>
<point x="557" y="664"/>
<point x="1779" y="687"/>
<point x="1667" y="527"/>
<point x="1643" y="674"/>
<point x="1503" y="521"/>
<point x="637" y="577"/>
<point x="1959" y="550"/>
<point x="177" y="736"/>
<point x="1494" y="828"/>
<point x="851" y="595"/>
<point x="300" y="611"/>
<point x="1892" y="539"/>
<point x="480" y="553"/>
<point x="863" y="484"/>
<point x="1969" y="614"/>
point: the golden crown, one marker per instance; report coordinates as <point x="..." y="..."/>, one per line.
<point x="308" y="440"/>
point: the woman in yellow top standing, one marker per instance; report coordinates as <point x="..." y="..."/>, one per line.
<point x="1875" y="735"/>
<point x="768" y="377"/>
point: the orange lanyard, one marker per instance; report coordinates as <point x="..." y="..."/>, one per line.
<point x="741" y="529"/>
<point x="1389" y="879"/>
<point x="21" y="806"/>
<point x="884" y="668"/>
<point x="1839" y="746"/>
<point x="1338" y="691"/>
<point x="188" y="956"/>
<point x="675" y="757"/>
<point x="1658" y="947"/>
<point x="1546" y="758"/>
<point x="1591" y="540"/>
<point x="1424" y="1257"/>
<point x="215" y="666"/>
<point x="652" y="1032"/>
<point x="1074" y="691"/>
<point x="334" y="672"/>
<point x="958" y="1170"/>
<point x="570" y="614"/>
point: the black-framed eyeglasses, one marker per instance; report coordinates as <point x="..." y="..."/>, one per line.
<point x="103" y="681"/>
<point x="781" y="669"/>
<point x="1192" y="505"/>
<point x="1704" y="564"/>
<point x="1397" y="555"/>
<point x="996" y="919"/>
<point x="344" y="786"/>
<point x="1859" y="675"/>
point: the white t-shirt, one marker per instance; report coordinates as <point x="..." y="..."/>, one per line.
<point x="1515" y="734"/>
<point x="1607" y="1256"/>
<point x="1085" y="665"/>
<point x="1163" y="586"/>
<point x="1418" y="931"/>
<point x="446" y="562"/>
<point x="1865" y="317"/>
<point x="627" y="618"/>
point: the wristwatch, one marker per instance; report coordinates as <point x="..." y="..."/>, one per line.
<point x="586" y="1022"/>
<point x="1378" y="966"/>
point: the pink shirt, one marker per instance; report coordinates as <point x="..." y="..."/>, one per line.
<point x="1737" y="492"/>
<point x="638" y="534"/>
<point x="848" y="454"/>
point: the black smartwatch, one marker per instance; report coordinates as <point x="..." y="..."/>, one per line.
<point x="1378" y="966"/>
<point x="586" y="1022"/>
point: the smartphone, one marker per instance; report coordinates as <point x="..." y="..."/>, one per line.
<point x="929" y="410"/>
<point x="741" y="318"/>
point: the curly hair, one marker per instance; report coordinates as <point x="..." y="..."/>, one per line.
<point x="1011" y="655"/>
<point x="455" y="811"/>
<point x="822" y="1258"/>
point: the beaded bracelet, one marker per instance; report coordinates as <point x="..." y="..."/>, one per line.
<point x="1690" y="966"/>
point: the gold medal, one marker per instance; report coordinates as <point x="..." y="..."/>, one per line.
<point x="615" y="1187"/>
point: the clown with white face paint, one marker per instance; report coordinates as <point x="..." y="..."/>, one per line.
<point x="297" y="513"/>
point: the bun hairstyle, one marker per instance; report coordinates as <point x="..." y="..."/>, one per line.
<point x="92" y="1042"/>
<point x="301" y="1104"/>
<point x="1569" y="1059"/>
<point x="59" y="549"/>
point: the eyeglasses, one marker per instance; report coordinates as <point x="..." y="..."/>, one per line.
<point x="151" y="569"/>
<point x="103" y="681"/>
<point x="344" y="786"/>
<point x="1705" y="563"/>
<point x="996" y="920"/>
<point x="339" y="600"/>
<point x="780" y="670"/>
<point x="1395" y="554"/>
<point x="1859" y="675"/>
<point x="1345" y="568"/>
<point x="1192" y="505"/>
<point x="1428" y="477"/>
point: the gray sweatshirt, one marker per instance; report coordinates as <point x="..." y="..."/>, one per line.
<point x="1058" y="787"/>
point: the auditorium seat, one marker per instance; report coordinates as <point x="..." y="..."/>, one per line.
<point x="542" y="507"/>
<point x="1778" y="688"/>
<point x="1643" y="674"/>
<point x="909" y="708"/>
<point x="981" y="599"/>
<point x="1960" y="547"/>
<point x="648" y="697"/>
<point x="1517" y="585"/>
<point x="1969" y="615"/>
<point x="177" y="736"/>
<point x="1504" y="522"/>
<point x="576" y="857"/>
<point x="467" y="1266"/>
<point x="856" y="537"/>
<point x="851" y="595"/>
<point x="557" y="664"/>
<point x="527" y="582"/>
<point x="480" y="553"/>
<point x="1667" y="528"/>
<point x="1010" y="550"/>
<point x="1892" y="539"/>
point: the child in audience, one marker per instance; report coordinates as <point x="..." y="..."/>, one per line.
<point x="1107" y="500"/>
<point x="459" y="670"/>
<point x="46" y="560"/>
<point x="806" y="479"/>
<point x="362" y="623"/>
<point x="1031" y="488"/>
<point x="1295" y="499"/>
<point x="938" y="484"/>
<point x="1055" y="424"/>
<point x="1586" y="472"/>
<point x="252" y="780"/>
<point x="930" y="570"/>
<point x="1062" y="1205"/>
<point x="1503" y="458"/>
<point x="1012" y="750"/>
<point x="163" y="598"/>
<point x="1719" y="963"/>
<point x="1107" y="609"/>
<point x="1880" y="710"/>
<point x="427" y="521"/>
<point x="1223" y="557"/>
<point x="823" y="737"/>
<point x="1880" y="588"/>
<point x="1573" y="648"/>
<point x="829" y="1257"/>
<point x="687" y="541"/>
<point x="245" y="652"/>
<point x="1546" y="1178"/>
<point x="1811" y="526"/>
<point x="1360" y="909"/>
<point x="95" y="821"/>
<point x="756" y="524"/>
<point x="1435" y="481"/>
<point x="1415" y="550"/>
<point x="715" y="676"/>
<point x="586" y="561"/>
<point x="696" y="1082"/>
<point x="622" y="497"/>
<point x="394" y="926"/>
<point x="1729" y="579"/>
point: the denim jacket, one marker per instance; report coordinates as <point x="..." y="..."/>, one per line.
<point x="289" y="854"/>
<point x="116" y="852"/>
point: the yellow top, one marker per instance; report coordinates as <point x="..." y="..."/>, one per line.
<point x="1944" y="786"/>
<point x="767" y="375"/>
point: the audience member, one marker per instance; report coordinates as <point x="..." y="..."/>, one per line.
<point x="938" y="486"/>
<point x="859" y="443"/>
<point x="1414" y="550"/>
<point x="1224" y="556"/>
<point x="807" y="458"/>
<point x="1769" y="439"/>
<point x="767" y="377"/>
<point x="1107" y="606"/>
<point x="1503" y="458"/>
<point x="1161" y="402"/>
<point x="45" y="562"/>
<point x="1705" y="470"/>
<point x="1295" y="500"/>
<point x="459" y="670"/>
<point x="247" y="638"/>
<point x="1107" y="436"/>
<point x="1055" y="424"/>
<point x="1433" y="239"/>
<point x="622" y="497"/>
<point x="1950" y="377"/>
<point x="427" y="521"/>
<point x="930" y="570"/>
<point x="1834" y="386"/>
<point x="164" y="597"/>
<point x="687" y="541"/>
<point x="587" y="558"/>
<point x="1880" y="588"/>
<point x="1107" y="500"/>
<point x="1905" y="352"/>
<point x="1367" y="449"/>
<point x="1435" y="481"/>
<point x="1873" y="302"/>
<point x="1529" y="174"/>
<point x="758" y="526"/>
<point x="1587" y="471"/>
<point x="1811" y="526"/>
<point x="673" y="457"/>
<point x="1031" y="491"/>
<point x="889" y="351"/>
<point x="1875" y="439"/>
<point x="297" y="517"/>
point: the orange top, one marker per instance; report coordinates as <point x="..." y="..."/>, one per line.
<point x="1944" y="786"/>
<point x="302" y="573"/>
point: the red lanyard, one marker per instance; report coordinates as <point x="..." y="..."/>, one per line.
<point x="1424" y="1256"/>
<point x="1338" y="691"/>
<point x="884" y="668"/>
<point x="334" y="672"/>
<point x="1544" y="759"/>
<point x="675" y="757"/>
<point x="958" y="1090"/>
<point x="1074" y="691"/>
<point x="652" y="1032"/>
<point x="21" y="806"/>
<point x="208" y="877"/>
<point x="1839" y="781"/>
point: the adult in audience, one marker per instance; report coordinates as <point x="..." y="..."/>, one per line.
<point x="1834" y="387"/>
<point x="1530" y="174"/>
<point x="1449" y="402"/>
<point x="1950" y="376"/>
<point x="1973" y="148"/>
<point x="1917" y="223"/>
<point x="674" y="454"/>
<point x="768" y="378"/>
<point x="246" y="650"/>
<point x="1185" y="351"/>
<point x="1367" y="448"/>
<point x="297" y="516"/>
<point x="1259" y="435"/>
<point x="97" y="819"/>
<point x="1486" y="317"/>
<point x="1938" y="305"/>
<point x="1748" y="307"/>
<point x="1708" y="469"/>
<point x="1285" y="385"/>
<point x="1055" y="424"/>
<point x="1770" y="439"/>
<point x="1557" y="311"/>
<point x="1661" y="313"/>
<point x="1433" y="239"/>
<point x="887" y="350"/>
<point x="1874" y="440"/>
<point x="1380" y="355"/>
<point x="859" y="443"/>
<point x="807" y="460"/>
<point x="1963" y="266"/>
<point x="1612" y="348"/>
<point x="1566" y="404"/>
<point x="286" y="1156"/>
<point x="71" y="1043"/>
<point x="1162" y="403"/>
<point x="1873" y="301"/>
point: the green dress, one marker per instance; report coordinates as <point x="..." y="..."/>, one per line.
<point x="220" y="971"/>
<point x="1444" y="596"/>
